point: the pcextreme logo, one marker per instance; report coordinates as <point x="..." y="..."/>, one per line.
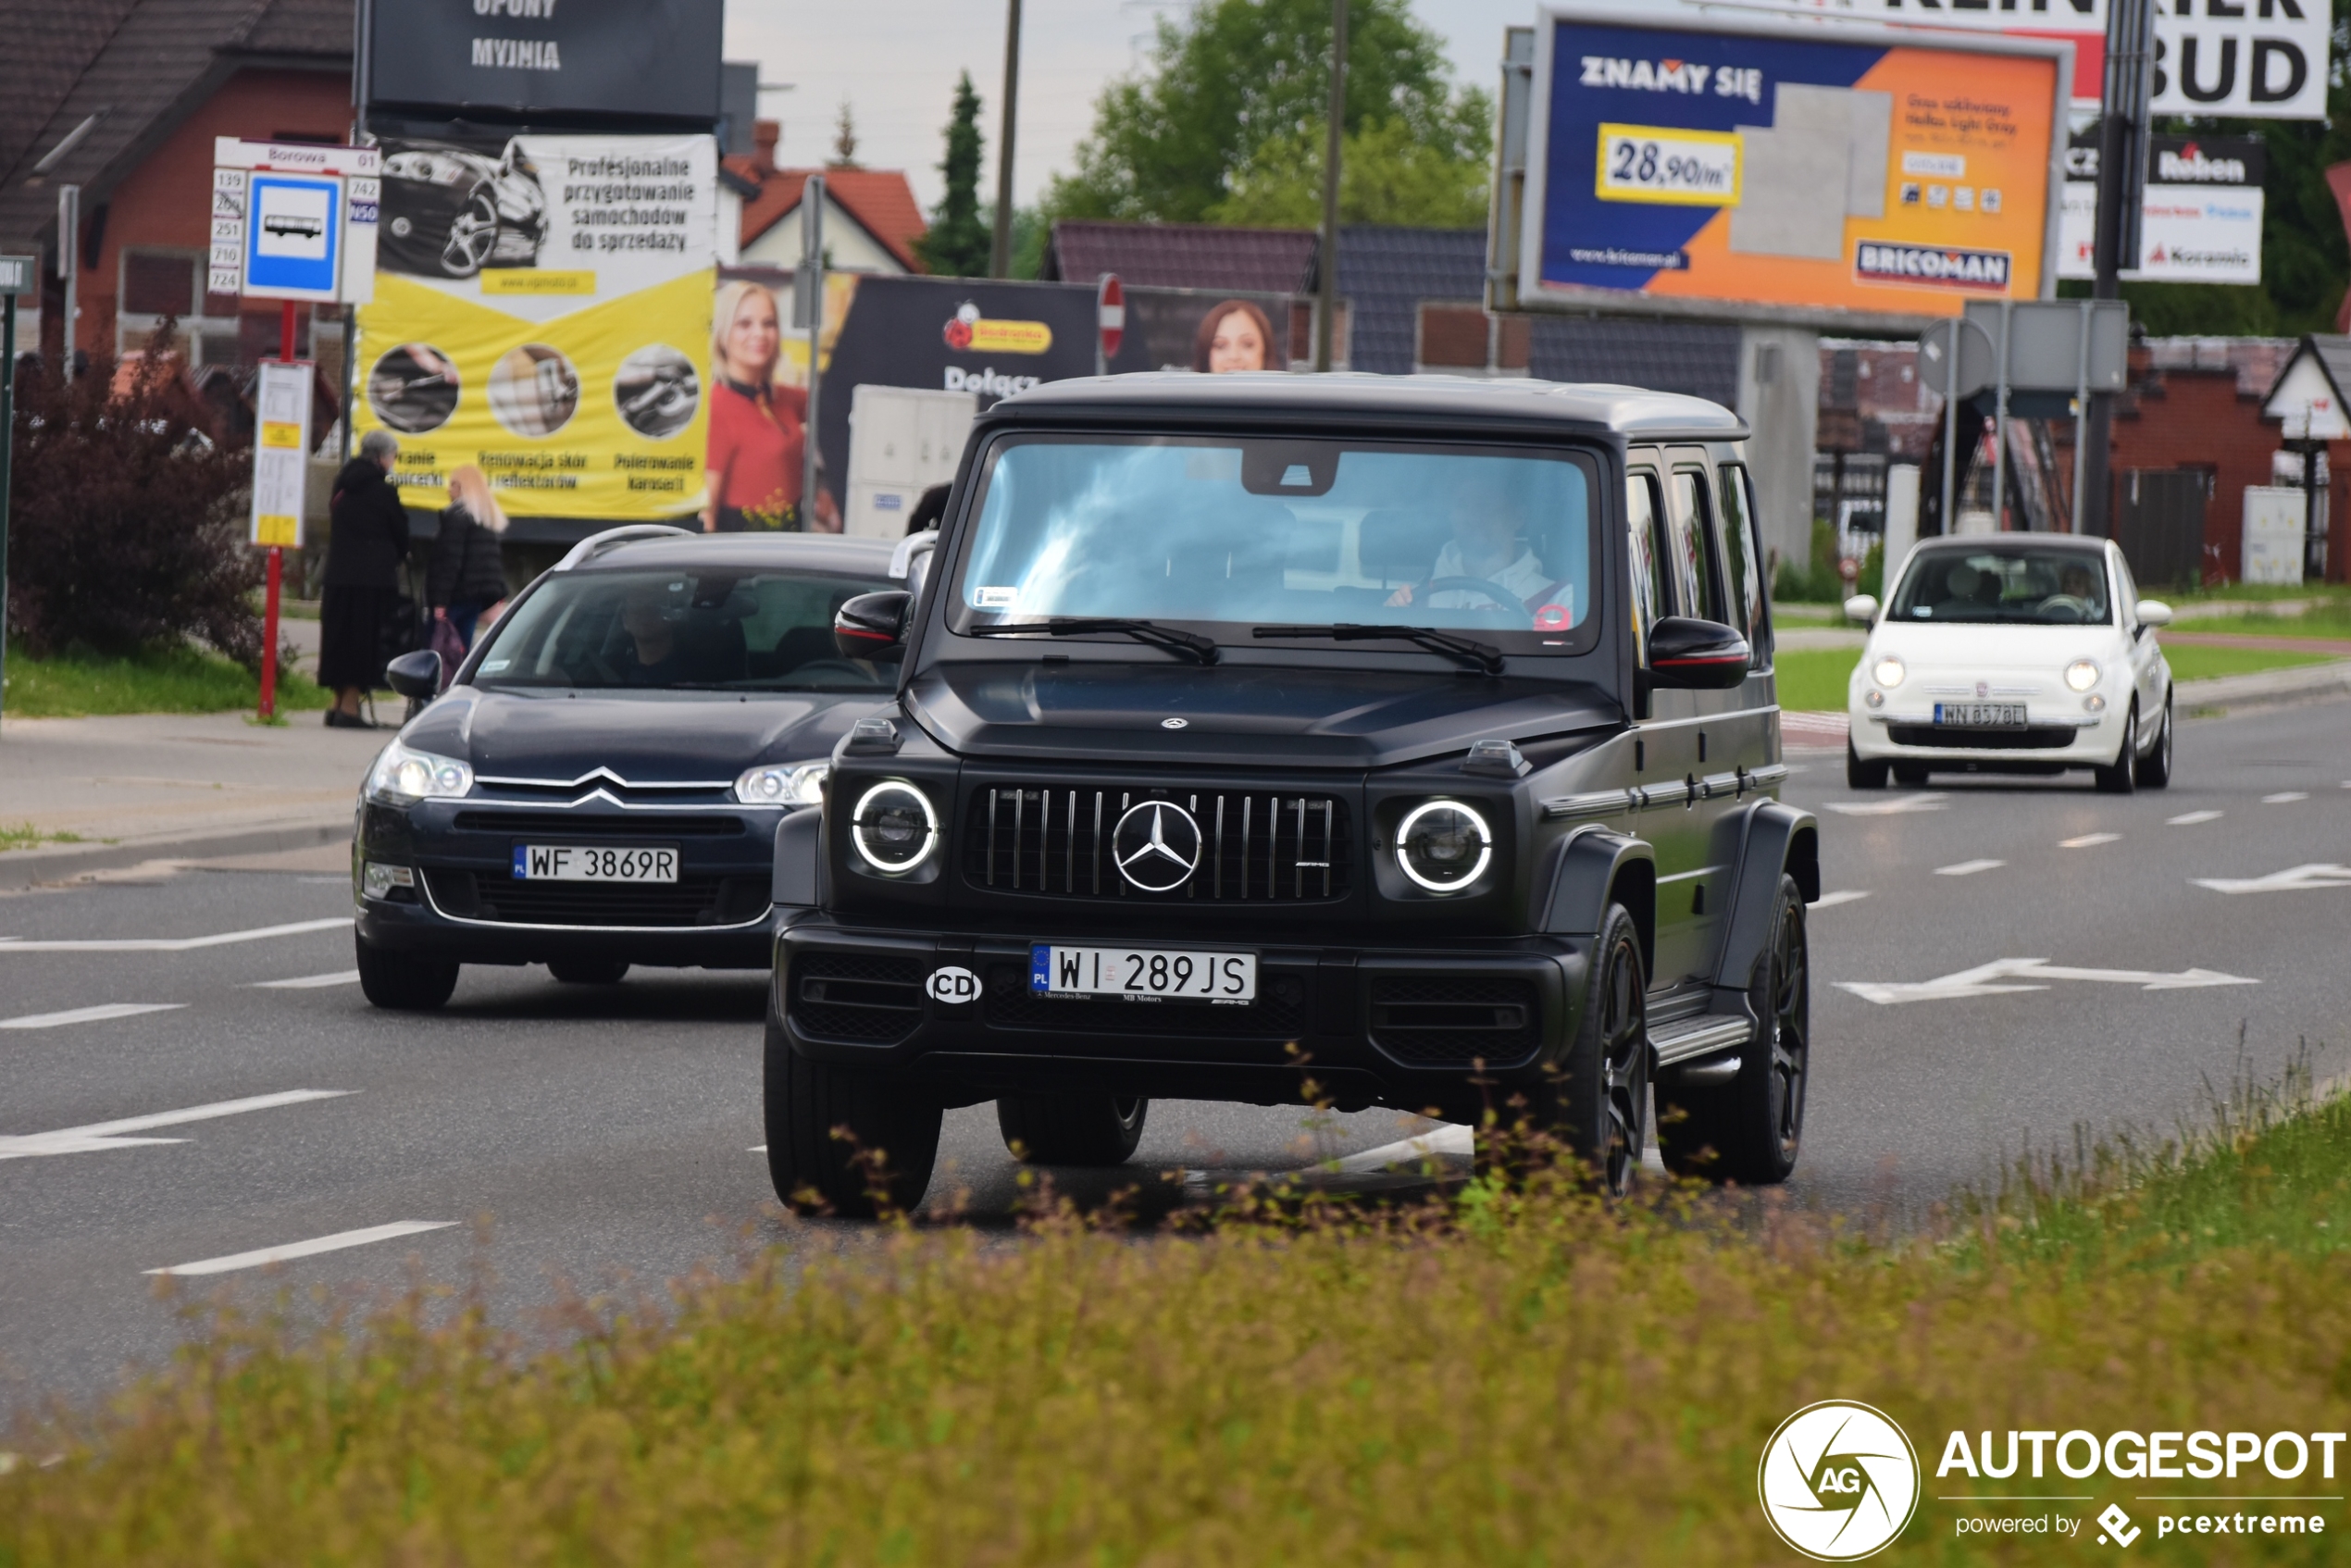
<point x="1838" y="1480"/>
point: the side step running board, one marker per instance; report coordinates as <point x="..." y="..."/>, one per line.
<point x="1692" y="1037"/>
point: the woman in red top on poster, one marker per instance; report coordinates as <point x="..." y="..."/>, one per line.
<point x="758" y="431"/>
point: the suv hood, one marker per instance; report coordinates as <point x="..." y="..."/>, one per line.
<point x="665" y="737"/>
<point x="1237" y="715"/>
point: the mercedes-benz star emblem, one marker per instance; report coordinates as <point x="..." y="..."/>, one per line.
<point x="1156" y="846"/>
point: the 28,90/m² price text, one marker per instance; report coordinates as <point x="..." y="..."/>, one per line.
<point x="1648" y="163"/>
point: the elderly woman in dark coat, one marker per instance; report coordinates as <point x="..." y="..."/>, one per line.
<point x="362" y="589"/>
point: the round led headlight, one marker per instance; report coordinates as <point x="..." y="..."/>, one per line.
<point x="893" y="828"/>
<point x="783" y="784"/>
<point x="2082" y="674"/>
<point x="1443" y="846"/>
<point x="1889" y="671"/>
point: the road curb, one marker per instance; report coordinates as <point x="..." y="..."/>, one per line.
<point x="27" y="868"/>
<point x="2262" y="688"/>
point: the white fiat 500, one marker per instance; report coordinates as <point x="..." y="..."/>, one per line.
<point x="2011" y="653"/>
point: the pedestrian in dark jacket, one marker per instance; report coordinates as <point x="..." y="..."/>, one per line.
<point x="469" y="573"/>
<point x="362" y="589"/>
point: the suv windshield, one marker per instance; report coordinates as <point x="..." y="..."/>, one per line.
<point x="718" y="630"/>
<point x="2008" y="584"/>
<point x="1222" y="532"/>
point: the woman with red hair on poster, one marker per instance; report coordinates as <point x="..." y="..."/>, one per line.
<point x="1234" y="335"/>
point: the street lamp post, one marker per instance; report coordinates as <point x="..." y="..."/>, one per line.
<point x="1327" y="302"/>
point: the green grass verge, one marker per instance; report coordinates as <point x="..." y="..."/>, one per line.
<point x="180" y="680"/>
<point x="25" y="836"/>
<point x="1813" y="679"/>
<point x="1505" y="1376"/>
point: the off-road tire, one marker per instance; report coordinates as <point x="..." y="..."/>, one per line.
<point x="1072" y="1129"/>
<point x="2155" y="768"/>
<point x="2123" y="777"/>
<point x="588" y="971"/>
<point x="1595" y="1100"/>
<point x="1859" y="775"/>
<point x="405" y="982"/>
<point x="816" y="1172"/>
<point x="1752" y="1129"/>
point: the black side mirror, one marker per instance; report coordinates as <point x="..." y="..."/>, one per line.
<point x="416" y="675"/>
<point x="1695" y="655"/>
<point x="871" y="625"/>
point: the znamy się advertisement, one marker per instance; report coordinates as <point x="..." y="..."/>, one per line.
<point x="1839" y="169"/>
<point x="542" y="310"/>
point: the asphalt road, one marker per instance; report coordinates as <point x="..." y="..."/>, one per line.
<point x="603" y="1138"/>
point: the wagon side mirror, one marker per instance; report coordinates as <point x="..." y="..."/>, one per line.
<point x="871" y="625"/>
<point x="1862" y="607"/>
<point x="1695" y="655"/>
<point x="416" y="675"/>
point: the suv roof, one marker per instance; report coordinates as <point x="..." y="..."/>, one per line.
<point x="808" y="551"/>
<point x="1357" y="397"/>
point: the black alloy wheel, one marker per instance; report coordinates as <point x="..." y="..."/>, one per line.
<point x="1859" y="775"/>
<point x="1072" y="1130"/>
<point x="405" y="982"/>
<point x="1752" y="1128"/>
<point x="2123" y="777"/>
<point x="2155" y="768"/>
<point x="1597" y="1101"/>
<point x="845" y="1141"/>
<point x="588" y="971"/>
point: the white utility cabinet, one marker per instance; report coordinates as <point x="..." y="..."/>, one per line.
<point x="902" y="442"/>
<point x="2273" y="520"/>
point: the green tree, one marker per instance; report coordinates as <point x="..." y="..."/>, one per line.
<point x="956" y="244"/>
<point x="1236" y="76"/>
<point x="1386" y="175"/>
<point x="845" y="139"/>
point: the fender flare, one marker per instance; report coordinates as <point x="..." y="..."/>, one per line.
<point x="1775" y="839"/>
<point x="800" y="859"/>
<point x="1595" y="867"/>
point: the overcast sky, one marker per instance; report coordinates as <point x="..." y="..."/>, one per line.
<point x="895" y="61"/>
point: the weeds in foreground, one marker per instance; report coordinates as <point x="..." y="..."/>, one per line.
<point x="25" y="836"/>
<point x="1517" y="1373"/>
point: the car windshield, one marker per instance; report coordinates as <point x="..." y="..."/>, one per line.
<point x="1226" y="534"/>
<point x="2006" y="584"/>
<point x="714" y="630"/>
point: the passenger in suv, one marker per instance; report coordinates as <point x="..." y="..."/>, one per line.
<point x="1417" y="736"/>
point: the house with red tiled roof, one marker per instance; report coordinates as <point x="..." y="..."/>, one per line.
<point x="872" y="221"/>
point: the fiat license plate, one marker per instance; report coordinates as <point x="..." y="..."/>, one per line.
<point x="597" y="862"/>
<point x="1981" y="715"/>
<point x="1142" y="974"/>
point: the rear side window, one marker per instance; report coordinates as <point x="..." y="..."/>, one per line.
<point x="1743" y="563"/>
<point x="1645" y="541"/>
<point x="1695" y="591"/>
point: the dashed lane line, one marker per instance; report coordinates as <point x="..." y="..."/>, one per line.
<point x="309" y="982"/>
<point x="1968" y="868"/>
<point x="2190" y="818"/>
<point x="1847" y="895"/>
<point x="97" y="1015"/>
<point x="261" y="1257"/>
<point x="2285" y="797"/>
<point x="173" y="944"/>
<point x="2088" y="840"/>
<point x="1901" y="805"/>
<point x="98" y="1137"/>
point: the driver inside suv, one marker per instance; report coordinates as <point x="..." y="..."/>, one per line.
<point x="1489" y="545"/>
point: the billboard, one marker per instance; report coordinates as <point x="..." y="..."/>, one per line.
<point x="542" y="310"/>
<point x="2201" y="220"/>
<point x="1820" y="170"/>
<point x="2265" y="60"/>
<point x="545" y="58"/>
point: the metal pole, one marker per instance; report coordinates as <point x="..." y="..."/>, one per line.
<point x="2122" y="143"/>
<point x="2081" y="411"/>
<point x="1000" y="252"/>
<point x="7" y="444"/>
<point x="1951" y="429"/>
<point x="1326" y="308"/>
<point x="69" y="263"/>
<point x="812" y="277"/>
<point x="2000" y="426"/>
<point x="277" y="553"/>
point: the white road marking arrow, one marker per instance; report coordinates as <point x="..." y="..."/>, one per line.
<point x="2005" y="975"/>
<point x="2291" y="880"/>
<point x="172" y="945"/>
<point x="1931" y="801"/>
<point x="101" y="1136"/>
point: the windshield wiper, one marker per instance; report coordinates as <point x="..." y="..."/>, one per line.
<point x="1191" y="644"/>
<point x="1484" y="655"/>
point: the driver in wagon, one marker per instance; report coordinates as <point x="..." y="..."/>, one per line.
<point x="1487" y="546"/>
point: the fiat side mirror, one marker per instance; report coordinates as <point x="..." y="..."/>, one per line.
<point x="416" y="675"/>
<point x="871" y="625"/>
<point x="2154" y="612"/>
<point x="1862" y="607"/>
<point x="1695" y="655"/>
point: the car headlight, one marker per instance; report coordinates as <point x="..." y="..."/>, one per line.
<point x="1889" y="671"/>
<point x="2082" y="674"/>
<point x="893" y="828"/>
<point x="403" y="775"/>
<point x="1443" y="846"/>
<point x="429" y="166"/>
<point x="783" y="784"/>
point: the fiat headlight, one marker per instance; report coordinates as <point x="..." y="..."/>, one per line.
<point x="403" y="775"/>
<point x="1889" y="671"/>
<point x="1443" y="846"/>
<point x="893" y="828"/>
<point x="783" y="784"/>
<point x="2082" y="674"/>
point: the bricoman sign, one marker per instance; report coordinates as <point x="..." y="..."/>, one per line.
<point x="1839" y="1481"/>
<point x="2202" y="219"/>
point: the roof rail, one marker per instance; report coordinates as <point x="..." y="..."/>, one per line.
<point x="596" y="544"/>
<point x="902" y="560"/>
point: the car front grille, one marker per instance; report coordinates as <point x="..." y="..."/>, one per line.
<point x="2032" y="738"/>
<point x="561" y="826"/>
<point x="853" y="996"/>
<point x="1268" y="847"/>
<point x="1278" y="1014"/>
<point x="686" y="903"/>
<point x="1431" y="1020"/>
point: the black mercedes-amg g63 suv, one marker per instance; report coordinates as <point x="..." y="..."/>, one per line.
<point x="1417" y="736"/>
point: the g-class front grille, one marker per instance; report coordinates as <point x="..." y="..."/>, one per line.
<point x="1058" y="839"/>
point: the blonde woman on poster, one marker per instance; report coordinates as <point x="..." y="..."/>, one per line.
<point x="758" y="429"/>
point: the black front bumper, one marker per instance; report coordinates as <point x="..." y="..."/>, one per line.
<point x="1403" y="1027"/>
